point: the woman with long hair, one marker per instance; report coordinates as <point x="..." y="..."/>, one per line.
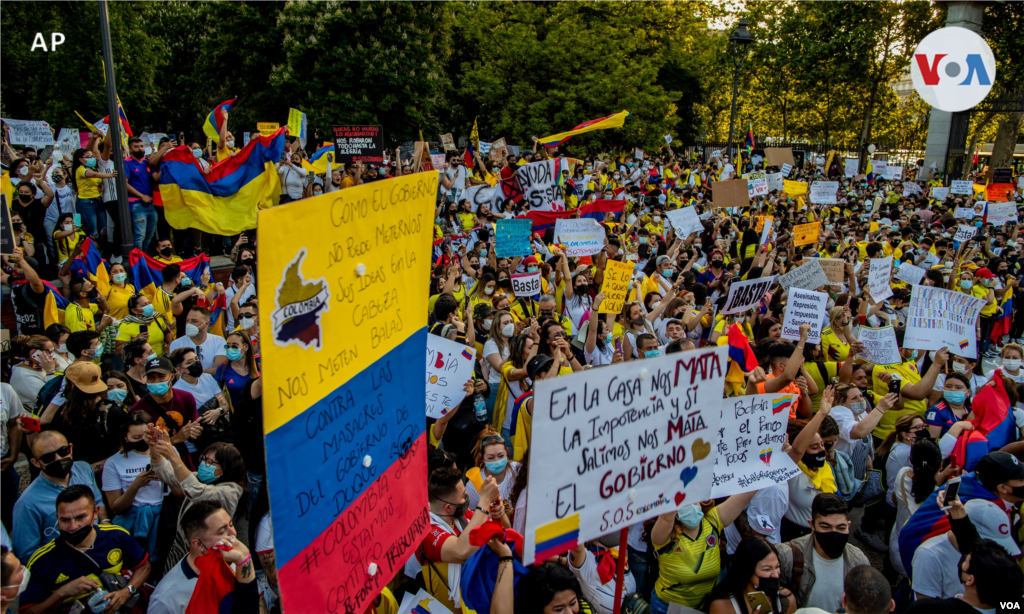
<point x="86" y="182"/>
<point x="634" y="323"/>
<point x="119" y="388"/>
<point x="836" y="338"/>
<point x="87" y="418"/>
<point x="514" y="378"/>
<point x="240" y="367"/>
<point x="914" y="484"/>
<point x="894" y="453"/>
<point x="58" y="334"/>
<point x="492" y="458"/>
<point x="755" y="568"/>
<point x="496" y="351"/>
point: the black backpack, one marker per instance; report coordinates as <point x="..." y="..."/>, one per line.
<point x="47" y="392"/>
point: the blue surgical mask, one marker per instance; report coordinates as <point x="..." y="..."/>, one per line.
<point x="234" y="353"/>
<point x="913" y="355"/>
<point x="690" y="516"/>
<point x="97" y="352"/>
<point x="978" y="224"/>
<point x="148" y="311"/>
<point x="956" y="397"/>
<point x="643" y="240"/>
<point x="965" y="284"/>
<point x="159" y="388"/>
<point x="206" y="473"/>
<point x="531" y="269"/>
<point x="117" y="395"/>
<point x="186" y="282"/>
<point x="652" y="353"/>
<point x="667" y="272"/>
<point x="120" y="277"/>
<point x="90" y="162"/>
<point x="197" y="153"/>
<point x="497" y="466"/>
<point x="608" y="338"/>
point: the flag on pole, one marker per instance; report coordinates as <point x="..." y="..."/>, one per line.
<point x="474" y="138"/>
<point x="749" y="144"/>
<point x="602" y="123"/>
<point x="211" y="127"/>
<point x="297" y="125"/>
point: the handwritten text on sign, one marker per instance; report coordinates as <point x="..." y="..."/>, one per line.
<point x="582" y="237"/>
<point x="824" y="192"/>
<point x="539" y="181"/>
<point x="512" y="238"/>
<point x="744" y="295"/>
<point x="804" y="307"/>
<point x="749" y="454"/>
<point x="27" y="132"/>
<point x="449" y="367"/>
<point x="879" y="274"/>
<point x="809" y="276"/>
<point x="616" y="286"/>
<point x="940" y="318"/>
<point x="632" y="441"/>
<point x="358" y="144"/>
<point x="805" y="234"/>
<point x="527" y="284"/>
<point x="880" y="346"/>
<point x="961" y="187"/>
<point x="685" y="221"/>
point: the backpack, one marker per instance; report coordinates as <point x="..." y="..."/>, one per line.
<point x="47" y="392"/>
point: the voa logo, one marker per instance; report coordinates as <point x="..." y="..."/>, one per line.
<point x="1009" y="605"/>
<point x="953" y="69"/>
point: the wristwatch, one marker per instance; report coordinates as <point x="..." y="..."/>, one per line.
<point x="132" y="590"/>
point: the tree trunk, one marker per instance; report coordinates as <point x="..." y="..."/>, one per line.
<point x="973" y="145"/>
<point x="1006" y="140"/>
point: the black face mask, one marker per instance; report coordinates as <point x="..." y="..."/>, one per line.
<point x="247" y="262"/>
<point x="138" y="154"/>
<point x="195" y="369"/>
<point x="59" y="468"/>
<point x="138" y="446"/>
<point x="18" y="226"/>
<point x="814" y="461"/>
<point x="505" y="283"/>
<point x="166" y="252"/>
<point x="73" y="538"/>
<point x="832" y="542"/>
<point x="770" y="587"/>
<point x="1017" y="491"/>
<point x="25" y="198"/>
<point x="92" y="294"/>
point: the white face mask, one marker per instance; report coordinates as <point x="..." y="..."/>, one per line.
<point x="509" y="329"/>
<point x="230" y="143"/>
<point x="68" y="227"/>
<point x="246" y="323"/>
<point x="959" y="367"/>
<point x="488" y="290"/>
<point x="488" y="322"/>
<point x="1012" y="364"/>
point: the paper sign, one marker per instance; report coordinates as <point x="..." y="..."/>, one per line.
<point x="880" y="346"/>
<point x="685" y="221"/>
<point x="731" y="193"/>
<point x="539" y="181"/>
<point x="809" y="276"/>
<point x="449" y="367"/>
<point x="526" y="284"/>
<point x="757" y="184"/>
<point x="940" y="318"/>
<point x="910" y="188"/>
<point x="358" y="144"/>
<point x="27" y="132"/>
<point x="964" y="233"/>
<point x="512" y="238"/>
<point x="631" y="442"/>
<point x="582" y="237"/>
<point x="616" y="286"/>
<point x="1000" y="213"/>
<point x="999" y="192"/>
<point x="749" y="454"/>
<point x="785" y="169"/>
<point x="794" y="188"/>
<point x="668" y="138"/>
<point x="499" y="151"/>
<point x="267" y="128"/>
<point x="448" y="142"/>
<point x="638" y="154"/>
<point x="851" y="167"/>
<point x="961" y="187"/>
<point x="805" y="234"/>
<point x="483" y="195"/>
<point x="892" y="173"/>
<point x="766" y="232"/>
<point x="779" y="156"/>
<point x="485" y="148"/>
<point x="744" y="295"/>
<point x="910" y="273"/>
<point x="879" y="274"/>
<point x="979" y="208"/>
<point x="940" y="193"/>
<point x="1002" y="175"/>
<point x="834" y="268"/>
<point x="775" y="182"/>
<point x="964" y="213"/>
<point x="7" y="243"/>
<point x="804" y="307"/>
<point x="824" y="192"/>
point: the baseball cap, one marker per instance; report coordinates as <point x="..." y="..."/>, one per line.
<point x="992" y="523"/>
<point x="538" y="364"/>
<point x="662" y="259"/>
<point x="984" y="274"/>
<point x="86" y="376"/>
<point x="159" y="364"/>
<point x="998" y="468"/>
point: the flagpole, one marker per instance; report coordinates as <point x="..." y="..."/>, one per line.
<point x="114" y="130"/>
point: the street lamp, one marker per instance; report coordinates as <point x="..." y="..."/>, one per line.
<point x="740" y="40"/>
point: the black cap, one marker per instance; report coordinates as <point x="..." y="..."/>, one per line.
<point x="997" y="468"/>
<point x="159" y="364"/>
<point x="538" y="364"/>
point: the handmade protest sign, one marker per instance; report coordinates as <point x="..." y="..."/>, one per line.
<point x="485" y="148"/>
<point x="910" y="274"/>
<point x="880" y="346"/>
<point x="804" y="307"/>
<point x="804" y="234"/>
<point x="526" y="284"/>
<point x="668" y="139"/>
<point x="358" y="144"/>
<point x="744" y="295"/>
<point x="794" y="188"/>
<point x="67" y="142"/>
<point x="448" y="142"/>
<point x="449" y="367"/>
<point x="964" y="233"/>
<point x="732" y="193"/>
<point x="834" y="268"/>
<point x="785" y="169"/>
<point x="512" y="238"/>
<point x="940" y="193"/>
<point x="1000" y="213"/>
<point x="342" y="354"/>
<point x="638" y="154"/>
<point x="824" y="192"/>
<point x="632" y="441"/>
<point x="775" y="182"/>
<point x="766" y="232"/>
<point x="892" y="173"/>
<point x="963" y="213"/>
<point x="749" y="453"/>
<point x="615" y="286"/>
<point x="27" y="132"/>
<point x="999" y="192"/>
<point x="757" y="184"/>
<point x="581" y="237"/>
<point x="539" y="181"/>
<point x="809" y="276"/>
<point x="940" y="318"/>
<point x="267" y="128"/>
<point x="910" y="188"/>
<point x="851" y="166"/>
<point x="979" y="207"/>
<point x="477" y="195"/>
<point x="961" y="187"/>
<point x="879" y="274"/>
<point x="7" y="243"/>
<point x="779" y="156"/>
<point x="685" y="221"/>
<point x="499" y="151"/>
<point x="1002" y="175"/>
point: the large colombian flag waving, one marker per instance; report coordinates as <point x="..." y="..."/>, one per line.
<point x="602" y="123"/>
<point x="225" y="200"/>
<point x="147" y="274"/>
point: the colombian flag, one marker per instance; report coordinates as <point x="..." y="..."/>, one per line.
<point x="124" y="119"/>
<point x="542" y="220"/>
<point x="318" y="161"/>
<point x="740" y="351"/>
<point x="53" y="308"/>
<point x="556" y="538"/>
<point x="749" y="143"/>
<point x="91" y="266"/>
<point x="994" y="425"/>
<point x="870" y="172"/>
<point x="148" y="277"/>
<point x="211" y="127"/>
<point x="224" y="201"/>
<point x="602" y="123"/>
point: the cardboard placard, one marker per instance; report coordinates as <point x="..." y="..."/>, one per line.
<point x="805" y="234"/>
<point x="28" y="132"/>
<point x="744" y="295"/>
<point x="1002" y="175"/>
<point x="794" y="188"/>
<point x="449" y="367"/>
<point x="581" y="237"/>
<point x="685" y="221"/>
<point x="809" y="276"/>
<point x="775" y="182"/>
<point x="526" y="284"/>
<point x="499" y="151"/>
<point x="733" y="193"/>
<point x="834" y="268"/>
<point x="804" y="307"/>
<point x="785" y="170"/>
<point x="448" y="142"/>
<point x="777" y="156"/>
<point x="999" y="192"/>
<point x="1000" y="213"/>
<point x="961" y="187"/>
<point x="824" y="192"/>
<point x="880" y="346"/>
<point x="7" y="243"/>
<point x="267" y="128"/>
<point x="757" y="184"/>
<point x="512" y="238"/>
<point x="909" y="273"/>
<point x="358" y="144"/>
<point x="965" y="233"/>
<point x="940" y="318"/>
<point x="940" y="193"/>
<point x="879" y="276"/>
<point x="851" y="166"/>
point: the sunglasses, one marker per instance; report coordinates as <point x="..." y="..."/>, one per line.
<point x="49" y="457"/>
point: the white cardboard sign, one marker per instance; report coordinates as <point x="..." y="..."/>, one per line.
<point x="880" y="346"/>
<point x="751" y="433"/>
<point x="527" y="284"/>
<point x="879" y="274"/>
<point x="449" y="366"/>
<point x="809" y="276"/>
<point x="27" y="132"/>
<point x="961" y="187"/>
<point x="685" y="221"/>
<point x="940" y="318"/>
<point x="912" y="274"/>
<point x="804" y="307"/>
<point x="581" y="237"/>
<point x="824" y="192"/>
<point x="744" y="295"/>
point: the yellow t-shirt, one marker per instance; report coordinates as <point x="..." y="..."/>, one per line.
<point x="127" y="331"/>
<point x="814" y="369"/>
<point x="87" y="187"/>
<point x="690" y="569"/>
<point x="66" y="246"/>
<point x="173" y="259"/>
<point x="908" y="372"/>
<point x="832" y="347"/>
<point x="162" y="304"/>
<point x="980" y="291"/>
<point x="117" y="300"/>
<point x="225" y="153"/>
<point x="347" y="182"/>
<point x="467" y="220"/>
<point x="76" y="318"/>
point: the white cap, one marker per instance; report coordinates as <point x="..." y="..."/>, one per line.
<point x="992" y="523"/>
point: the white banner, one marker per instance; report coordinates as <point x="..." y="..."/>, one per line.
<point x="685" y="221"/>
<point x="851" y="167"/>
<point x="581" y="237"/>
<point x="27" y="132"/>
<point x="485" y="148"/>
<point x="67" y="142"/>
<point x="804" y="307"/>
<point x="1001" y="213"/>
<point x="744" y="295"/>
<point x="449" y="367"/>
<point x="809" y="276"/>
<point x="484" y="195"/>
<point x="757" y="184"/>
<point x="964" y="213"/>
<point x="965" y="232"/>
<point x="910" y="273"/>
<point x="961" y="187"/>
<point x="749" y="454"/>
<point x="775" y="182"/>
<point x="630" y="442"/>
<point x="880" y="346"/>
<point x="892" y="173"/>
<point x="879" y="274"/>
<point x="910" y="188"/>
<point x="940" y="318"/>
<point x="527" y="284"/>
<point x="539" y="181"/>
<point x="940" y="193"/>
<point x="824" y="192"/>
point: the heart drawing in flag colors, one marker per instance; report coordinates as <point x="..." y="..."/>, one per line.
<point x="679" y="498"/>
<point x="440" y="362"/>
<point x="687" y="475"/>
<point x="766" y="456"/>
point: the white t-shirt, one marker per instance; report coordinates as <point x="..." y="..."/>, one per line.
<point x="597" y="594"/>
<point x="846" y="420"/>
<point x="599" y="357"/>
<point x="109" y="186"/>
<point x="1019" y="378"/>
<point x="63" y="202"/>
<point x="10" y="408"/>
<point x="203" y="390"/>
<point x="801" y="495"/>
<point x="209" y="350"/>
<point x="935" y="569"/>
<point x="504" y="489"/>
<point x="575" y="309"/>
<point x="491" y="347"/>
<point x="120" y="471"/>
<point x="174" y="591"/>
<point x="905" y="509"/>
<point x="827" y="590"/>
<point x="292" y="180"/>
<point x="764" y="515"/>
<point x="265" y="535"/>
<point x="899" y="457"/>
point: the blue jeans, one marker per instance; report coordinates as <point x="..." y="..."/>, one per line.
<point x="143" y="224"/>
<point x="657" y="605"/>
<point x="254" y="482"/>
<point x="638" y="567"/>
<point x="141" y="521"/>
<point x="94" y="218"/>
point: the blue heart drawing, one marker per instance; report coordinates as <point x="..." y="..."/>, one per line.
<point x="687" y="475"/>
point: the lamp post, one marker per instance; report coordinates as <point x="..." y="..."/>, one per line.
<point x="740" y="40"/>
<point x="114" y="128"/>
